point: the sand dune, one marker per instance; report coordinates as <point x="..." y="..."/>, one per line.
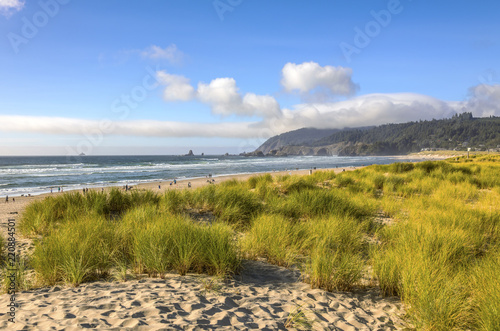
<point x="262" y="297"/>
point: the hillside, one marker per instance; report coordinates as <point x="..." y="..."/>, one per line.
<point x="459" y="132"/>
<point x="294" y="138"/>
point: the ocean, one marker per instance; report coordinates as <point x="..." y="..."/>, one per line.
<point x="38" y="174"/>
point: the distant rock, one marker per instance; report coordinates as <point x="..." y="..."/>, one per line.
<point x="254" y="153"/>
<point x="190" y="153"/>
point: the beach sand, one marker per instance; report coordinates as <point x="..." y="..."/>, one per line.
<point x="263" y="296"/>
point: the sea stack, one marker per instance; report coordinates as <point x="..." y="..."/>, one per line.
<point x="190" y="153"/>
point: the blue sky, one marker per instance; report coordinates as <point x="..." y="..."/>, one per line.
<point x="163" y="77"/>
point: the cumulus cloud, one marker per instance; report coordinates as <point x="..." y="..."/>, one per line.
<point x="177" y="87"/>
<point x="221" y="94"/>
<point x="9" y="7"/>
<point x="311" y="78"/>
<point x="170" y="53"/>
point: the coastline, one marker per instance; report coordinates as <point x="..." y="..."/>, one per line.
<point x="16" y="208"/>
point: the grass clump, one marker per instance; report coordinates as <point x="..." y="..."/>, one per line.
<point x="172" y="242"/>
<point x="230" y="203"/>
<point x="297" y="317"/>
<point x="76" y="252"/>
<point x="276" y="238"/>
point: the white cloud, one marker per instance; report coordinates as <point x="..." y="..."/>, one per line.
<point x="170" y="53"/>
<point x="311" y="77"/>
<point x="261" y="105"/>
<point x="484" y="100"/>
<point x="221" y="94"/>
<point x="177" y="87"/>
<point x="367" y="110"/>
<point x="93" y="129"/>
<point x="8" y="7"/>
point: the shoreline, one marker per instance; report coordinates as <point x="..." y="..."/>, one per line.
<point x="7" y="210"/>
<point x="16" y="208"/>
<point x="42" y="191"/>
<point x="11" y="209"/>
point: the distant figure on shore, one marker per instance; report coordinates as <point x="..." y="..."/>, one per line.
<point x="51" y="190"/>
<point x="126" y="187"/>
<point x="175" y="182"/>
<point x="59" y="189"/>
<point x="189" y="184"/>
<point x="13" y="199"/>
<point x="83" y="190"/>
<point x="159" y="187"/>
<point x="6" y="199"/>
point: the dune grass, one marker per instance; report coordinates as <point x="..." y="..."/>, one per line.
<point x="430" y="233"/>
<point x="441" y="253"/>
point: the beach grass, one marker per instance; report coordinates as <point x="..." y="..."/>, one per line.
<point x="429" y="231"/>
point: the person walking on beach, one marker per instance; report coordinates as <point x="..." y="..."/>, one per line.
<point x="6" y="199"/>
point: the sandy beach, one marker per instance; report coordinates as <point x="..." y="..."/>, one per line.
<point x="262" y="296"/>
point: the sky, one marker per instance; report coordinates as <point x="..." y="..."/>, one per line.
<point x="215" y="76"/>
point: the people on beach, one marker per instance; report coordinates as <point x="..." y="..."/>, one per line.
<point x="6" y="199"/>
<point x="189" y="184"/>
<point x="175" y="182"/>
